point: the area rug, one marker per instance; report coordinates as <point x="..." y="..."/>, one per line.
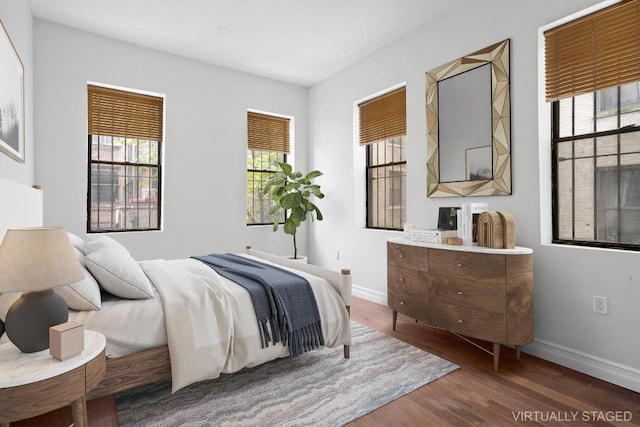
<point x="320" y="388"/>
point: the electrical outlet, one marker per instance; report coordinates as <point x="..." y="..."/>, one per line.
<point x="600" y="305"/>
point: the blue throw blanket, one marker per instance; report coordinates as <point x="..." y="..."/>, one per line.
<point x="281" y="299"/>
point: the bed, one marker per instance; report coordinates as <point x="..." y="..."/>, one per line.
<point x="165" y="318"/>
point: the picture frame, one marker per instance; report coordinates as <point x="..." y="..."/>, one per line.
<point x="11" y="99"/>
<point x="478" y="163"/>
<point x="448" y="218"/>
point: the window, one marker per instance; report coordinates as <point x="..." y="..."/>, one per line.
<point x="596" y="153"/>
<point x="596" y="128"/>
<point x="386" y="183"/>
<point x="268" y="145"/>
<point x="124" y="179"/>
<point x="382" y="123"/>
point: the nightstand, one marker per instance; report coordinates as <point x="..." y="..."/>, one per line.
<point x="35" y="383"/>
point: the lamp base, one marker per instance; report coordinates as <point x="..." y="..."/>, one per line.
<point x="29" y="318"/>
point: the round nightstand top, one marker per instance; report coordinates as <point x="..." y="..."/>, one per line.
<point x="17" y="368"/>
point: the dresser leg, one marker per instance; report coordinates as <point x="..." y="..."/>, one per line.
<point x="395" y="319"/>
<point x="496" y="356"/>
<point x="79" y="410"/>
<point x="518" y="352"/>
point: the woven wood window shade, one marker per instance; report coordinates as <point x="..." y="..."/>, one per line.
<point x="268" y="133"/>
<point x="125" y="114"/>
<point x="594" y="52"/>
<point x="383" y="117"/>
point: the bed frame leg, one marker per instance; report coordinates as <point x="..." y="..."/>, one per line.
<point x="347" y="355"/>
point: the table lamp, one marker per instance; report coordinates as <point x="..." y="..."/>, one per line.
<point x="35" y="260"/>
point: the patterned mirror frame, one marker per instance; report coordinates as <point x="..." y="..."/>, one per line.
<point x="498" y="56"/>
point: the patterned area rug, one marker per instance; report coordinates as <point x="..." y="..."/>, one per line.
<point x="320" y="388"/>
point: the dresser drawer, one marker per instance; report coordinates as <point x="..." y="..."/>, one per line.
<point x="411" y="282"/>
<point x="484" y="296"/>
<point x="413" y="306"/>
<point x="467" y="265"/>
<point x="414" y="257"/>
<point x="470" y="322"/>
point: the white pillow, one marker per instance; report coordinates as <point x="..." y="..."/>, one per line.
<point x="77" y="242"/>
<point x="115" y="270"/>
<point x="83" y="295"/>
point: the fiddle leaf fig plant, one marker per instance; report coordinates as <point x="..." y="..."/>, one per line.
<point x="292" y="191"/>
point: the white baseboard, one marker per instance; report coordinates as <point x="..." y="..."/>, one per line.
<point x="607" y="370"/>
<point x="368" y="294"/>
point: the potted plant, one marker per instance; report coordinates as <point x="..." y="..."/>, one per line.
<point x="291" y="192"/>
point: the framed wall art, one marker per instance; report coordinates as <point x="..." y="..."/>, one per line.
<point x="11" y="99"/>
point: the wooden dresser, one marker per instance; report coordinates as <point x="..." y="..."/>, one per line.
<point x="472" y="291"/>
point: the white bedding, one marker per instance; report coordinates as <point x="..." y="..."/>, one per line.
<point x="211" y="324"/>
<point x="129" y="325"/>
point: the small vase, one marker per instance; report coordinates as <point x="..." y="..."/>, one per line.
<point x="302" y="259"/>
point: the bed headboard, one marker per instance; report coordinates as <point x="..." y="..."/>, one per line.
<point x="20" y="206"/>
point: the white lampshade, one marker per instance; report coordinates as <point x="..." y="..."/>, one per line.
<point x="36" y="259"/>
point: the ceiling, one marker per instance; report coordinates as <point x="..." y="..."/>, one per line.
<point x="297" y="41"/>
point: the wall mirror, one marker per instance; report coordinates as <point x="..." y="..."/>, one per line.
<point x="469" y="125"/>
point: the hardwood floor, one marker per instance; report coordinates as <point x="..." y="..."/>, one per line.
<point x="530" y="392"/>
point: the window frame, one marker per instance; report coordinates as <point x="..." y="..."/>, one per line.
<point x="271" y="172"/>
<point x="389" y="192"/>
<point x="556" y="139"/>
<point x="158" y="166"/>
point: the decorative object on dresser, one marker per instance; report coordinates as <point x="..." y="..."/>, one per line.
<point x="496" y="230"/>
<point x="35" y="260"/>
<point x="448" y="218"/>
<point x="432" y="236"/>
<point x="468" y="221"/>
<point x="471" y="291"/>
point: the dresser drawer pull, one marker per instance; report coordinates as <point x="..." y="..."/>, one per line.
<point x="459" y="264"/>
<point x="401" y="302"/>
<point x="460" y="293"/>
<point x="402" y="279"/>
<point x="400" y="256"/>
<point x="460" y="321"/>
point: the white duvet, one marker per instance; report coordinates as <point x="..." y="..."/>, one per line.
<point x="211" y="325"/>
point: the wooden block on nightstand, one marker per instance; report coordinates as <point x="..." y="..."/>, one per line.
<point x="66" y="340"/>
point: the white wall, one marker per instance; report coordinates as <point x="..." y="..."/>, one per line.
<point x="565" y="279"/>
<point x="205" y="140"/>
<point x="17" y="20"/>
